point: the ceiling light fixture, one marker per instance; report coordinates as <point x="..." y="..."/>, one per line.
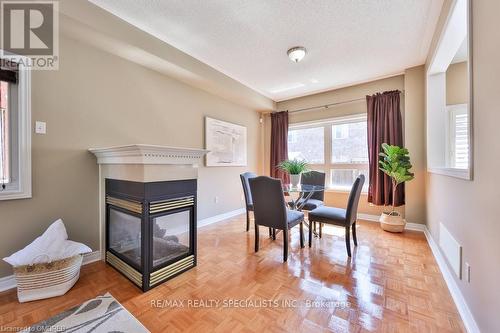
<point x="297" y="53"/>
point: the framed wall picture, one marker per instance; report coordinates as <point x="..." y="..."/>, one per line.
<point x="226" y="142"/>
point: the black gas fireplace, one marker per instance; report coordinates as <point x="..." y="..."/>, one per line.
<point x="151" y="229"/>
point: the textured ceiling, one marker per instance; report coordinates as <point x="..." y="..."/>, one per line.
<point x="348" y="41"/>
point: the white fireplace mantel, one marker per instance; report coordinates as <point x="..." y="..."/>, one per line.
<point x="147" y="154"/>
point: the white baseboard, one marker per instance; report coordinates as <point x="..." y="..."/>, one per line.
<point x="375" y="218"/>
<point x="9" y="282"/>
<point x="456" y="294"/>
<point x="220" y="217"/>
<point x="92" y="257"/>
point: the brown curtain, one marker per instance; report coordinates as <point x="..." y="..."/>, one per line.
<point x="279" y="143"/>
<point x="384" y="126"/>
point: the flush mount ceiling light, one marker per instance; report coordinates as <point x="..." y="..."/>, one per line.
<point x="297" y="53"/>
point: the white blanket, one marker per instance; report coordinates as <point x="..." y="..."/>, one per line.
<point x="52" y="245"/>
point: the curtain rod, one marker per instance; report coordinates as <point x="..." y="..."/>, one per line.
<point x="326" y="106"/>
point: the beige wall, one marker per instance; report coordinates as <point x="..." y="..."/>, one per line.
<point x="413" y="109"/>
<point x="97" y="99"/>
<point x="470" y="210"/>
<point x="457" y="84"/>
<point x="415" y="208"/>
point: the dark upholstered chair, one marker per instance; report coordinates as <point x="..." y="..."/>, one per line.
<point x="317" y="199"/>
<point x="270" y="210"/>
<point x="313" y="178"/>
<point x="341" y="217"/>
<point x="248" y="196"/>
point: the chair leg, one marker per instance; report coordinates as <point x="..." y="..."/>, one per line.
<point x="256" y="238"/>
<point x="347" y="241"/>
<point x="302" y="234"/>
<point x="270" y="233"/>
<point x="320" y="230"/>
<point x="248" y="220"/>
<point x="354" y="238"/>
<point x="285" y="245"/>
<point x="310" y="232"/>
<point x="274" y="234"/>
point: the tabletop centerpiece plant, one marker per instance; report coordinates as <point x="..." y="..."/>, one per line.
<point x="294" y="168"/>
<point x="394" y="162"/>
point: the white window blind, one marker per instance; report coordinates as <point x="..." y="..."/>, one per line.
<point x="458" y="128"/>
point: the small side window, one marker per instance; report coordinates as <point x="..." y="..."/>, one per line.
<point x="15" y="131"/>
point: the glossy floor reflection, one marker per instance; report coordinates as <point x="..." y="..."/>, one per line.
<point x="391" y="284"/>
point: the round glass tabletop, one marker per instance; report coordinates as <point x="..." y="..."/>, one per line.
<point x="301" y="188"/>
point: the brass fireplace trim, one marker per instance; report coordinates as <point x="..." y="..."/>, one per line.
<point x="133" y="206"/>
<point x="168" y="271"/>
<point x="165" y="205"/>
<point x="123" y="267"/>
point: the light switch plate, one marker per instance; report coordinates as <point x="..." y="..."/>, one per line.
<point x="40" y="127"/>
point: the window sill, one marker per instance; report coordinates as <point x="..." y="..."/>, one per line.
<point x="13" y="195"/>
<point x="452" y="172"/>
<point x="342" y="190"/>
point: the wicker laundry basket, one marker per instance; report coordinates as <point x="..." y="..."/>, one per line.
<point x="44" y="280"/>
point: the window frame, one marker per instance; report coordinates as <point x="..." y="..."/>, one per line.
<point x="328" y="165"/>
<point x="19" y="186"/>
<point x="437" y="157"/>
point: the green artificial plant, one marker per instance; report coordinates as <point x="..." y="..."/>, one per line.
<point x="293" y="167"/>
<point x="395" y="163"/>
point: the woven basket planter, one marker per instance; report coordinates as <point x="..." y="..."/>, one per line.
<point x="39" y="281"/>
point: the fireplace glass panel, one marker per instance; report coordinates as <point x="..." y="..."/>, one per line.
<point x="125" y="235"/>
<point x="170" y="237"/>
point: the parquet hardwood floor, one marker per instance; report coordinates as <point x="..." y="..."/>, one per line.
<point x="391" y="284"/>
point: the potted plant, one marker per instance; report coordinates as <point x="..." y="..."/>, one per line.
<point x="294" y="168"/>
<point x="394" y="162"/>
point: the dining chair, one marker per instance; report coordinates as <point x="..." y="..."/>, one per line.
<point x="270" y="210"/>
<point x="341" y="217"/>
<point x="248" y="198"/>
<point x="317" y="199"/>
<point x="246" y="192"/>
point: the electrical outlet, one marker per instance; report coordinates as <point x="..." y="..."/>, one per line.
<point x="467" y="272"/>
<point x="216" y="199"/>
<point x="40" y="127"/>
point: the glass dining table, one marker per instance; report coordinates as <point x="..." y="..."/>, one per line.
<point x="299" y="195"/>
<point x="302" y="193"/>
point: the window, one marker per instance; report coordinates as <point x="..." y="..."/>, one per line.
<point x="337" y="147"/>
<point x="15" y="134"/>
<point x="458" y="129"/>
<point x="307" y="144"/>
<point x="349" y="153"/>
<point x="340" y="131"/>
<point x="4" y="134"/>
<point x="449" y="102"/>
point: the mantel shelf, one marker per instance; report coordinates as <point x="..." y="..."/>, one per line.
<point x="148" y="154"/>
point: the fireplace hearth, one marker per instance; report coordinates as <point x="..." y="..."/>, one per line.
<point x="151" y="229"/>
